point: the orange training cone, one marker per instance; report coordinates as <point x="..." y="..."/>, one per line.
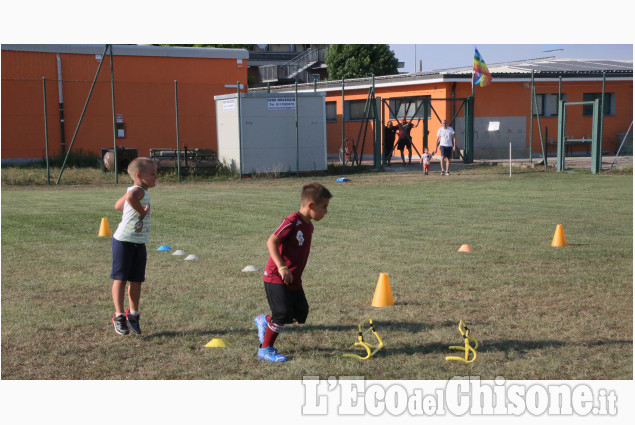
<point x="383" y="294"/>
<point x="104" y="230"/>
<point x="558" y="237"/>
<point x="465" y="248"/>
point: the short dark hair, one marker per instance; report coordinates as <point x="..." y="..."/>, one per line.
<point x="315" y="192"/>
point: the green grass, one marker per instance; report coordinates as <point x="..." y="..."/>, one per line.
<point x="538" y="312"/>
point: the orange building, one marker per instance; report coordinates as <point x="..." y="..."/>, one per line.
<point x="149" y="83"/>
<point x="507" y="102"/>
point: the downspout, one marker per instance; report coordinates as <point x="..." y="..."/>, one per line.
<point x="61" y="102"/>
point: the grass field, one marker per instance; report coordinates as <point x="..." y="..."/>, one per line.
<point x="538" y="312"/>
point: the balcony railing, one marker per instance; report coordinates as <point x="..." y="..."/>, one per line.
<point x="294" y="69"/>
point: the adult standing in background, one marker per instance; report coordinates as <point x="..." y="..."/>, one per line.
<point x="404" y="138"/>
<point x="445" y="138"/>
<point x="389" y="140"/>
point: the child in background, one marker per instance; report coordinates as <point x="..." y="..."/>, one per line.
<point x="289" y="247"/>
<point x="425" y="160"/>
<point x="128" y="245"/>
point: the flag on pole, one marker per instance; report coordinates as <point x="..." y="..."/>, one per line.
<point x="480" y="74"/>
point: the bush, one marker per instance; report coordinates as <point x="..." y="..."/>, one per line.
<point x="78" y="159"/>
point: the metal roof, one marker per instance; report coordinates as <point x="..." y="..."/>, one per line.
<point x="132" y="50"/>
<point x="544" y="69"/>
<point x="551" y="64"/>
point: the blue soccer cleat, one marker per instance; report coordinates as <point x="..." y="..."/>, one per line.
<point x="261" y="324"/>
<point x="270" y="354"/>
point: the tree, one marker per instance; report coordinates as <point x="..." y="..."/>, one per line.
<point x="360" y="60"/>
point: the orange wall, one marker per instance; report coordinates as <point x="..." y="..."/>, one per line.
<point x="352" y="128"/>
<point x="501" y="99"/>
<point x="144" y="95"/>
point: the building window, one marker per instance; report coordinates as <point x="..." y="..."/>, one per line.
<point x="547" y="104"/>
<point x="609" y="103"/>
<point x="354" y="110"/>
<point x="331" y="111"/>
<point x="409" y="107"/>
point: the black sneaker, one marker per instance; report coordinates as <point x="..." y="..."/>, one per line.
<point x="133" y="322"/>
<point x="121" y="327"/>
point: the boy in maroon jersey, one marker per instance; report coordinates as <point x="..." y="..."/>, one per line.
<point x="289" y="247"/>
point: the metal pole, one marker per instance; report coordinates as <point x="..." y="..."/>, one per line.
<point x="178" y="141"/>
<point x="468" y="155"/>
<point x="415" y="58"/>
<point x="60" y="96"/>
<point x="46" y="133"/>
<point x="559" y="99"/>
<point x="531" y="114"/>
<point x="602" y="113"/>
<point x="596" y="150"/>
<point x="81" y="117"/>
<point x="544" y="157"/>
<point x="376" y="153"/>
<point x="378" y="131"/>
<point x="621" y="144"/>
<point x="114" y="120"/>
<point x="343" y="128"/>
<point x="297" y="133"/>
<point x="561" y="128"/>
<point x="240" y="133"/>
<point x="510" y="159"/>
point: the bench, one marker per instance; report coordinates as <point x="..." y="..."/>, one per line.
<point x="203" y="160"/>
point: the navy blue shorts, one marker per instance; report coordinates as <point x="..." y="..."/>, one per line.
<point x="128" y="261"/>
<point x="446" y="151"/>
<point x="286" y="305"/>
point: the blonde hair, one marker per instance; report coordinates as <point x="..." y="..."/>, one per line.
<point x="139" y="165"/>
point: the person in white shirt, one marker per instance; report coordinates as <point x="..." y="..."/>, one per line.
<point x="445" y="138"/>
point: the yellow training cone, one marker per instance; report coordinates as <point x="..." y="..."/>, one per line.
<point x="465" y="248"/>
<point x="217" y="343"/>
<point x="104" y="230"/>
<point x="558" y="237"/>
<point x="383" y="294"/>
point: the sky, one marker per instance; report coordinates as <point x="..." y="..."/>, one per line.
<point x="429" y="57"/>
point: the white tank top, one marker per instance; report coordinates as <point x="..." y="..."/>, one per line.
<point x="134" y="228"/>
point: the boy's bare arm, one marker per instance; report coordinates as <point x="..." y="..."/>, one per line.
<point x="273" y="245"/>
<point x="120" y="203"/>
<point x="133" y="198"/>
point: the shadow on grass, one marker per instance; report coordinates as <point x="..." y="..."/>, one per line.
<point x="505" y="346"/>
<point x="173" y="334"/>
<point x="442" y="348"/>
<point x="379" y="327"/>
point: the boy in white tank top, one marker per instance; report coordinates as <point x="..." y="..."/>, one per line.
<point x="129" y="253"/>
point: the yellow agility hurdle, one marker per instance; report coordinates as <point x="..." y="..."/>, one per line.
<point x="467" y="337"/>
<point x="371" y="350"/>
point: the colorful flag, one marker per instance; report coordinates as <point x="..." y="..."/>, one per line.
<point x="480" y="75"/>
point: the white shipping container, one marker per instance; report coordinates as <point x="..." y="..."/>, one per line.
<point x="258" y="134"/>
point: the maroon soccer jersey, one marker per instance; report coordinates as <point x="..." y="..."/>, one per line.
<point x="295" y="235"/>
